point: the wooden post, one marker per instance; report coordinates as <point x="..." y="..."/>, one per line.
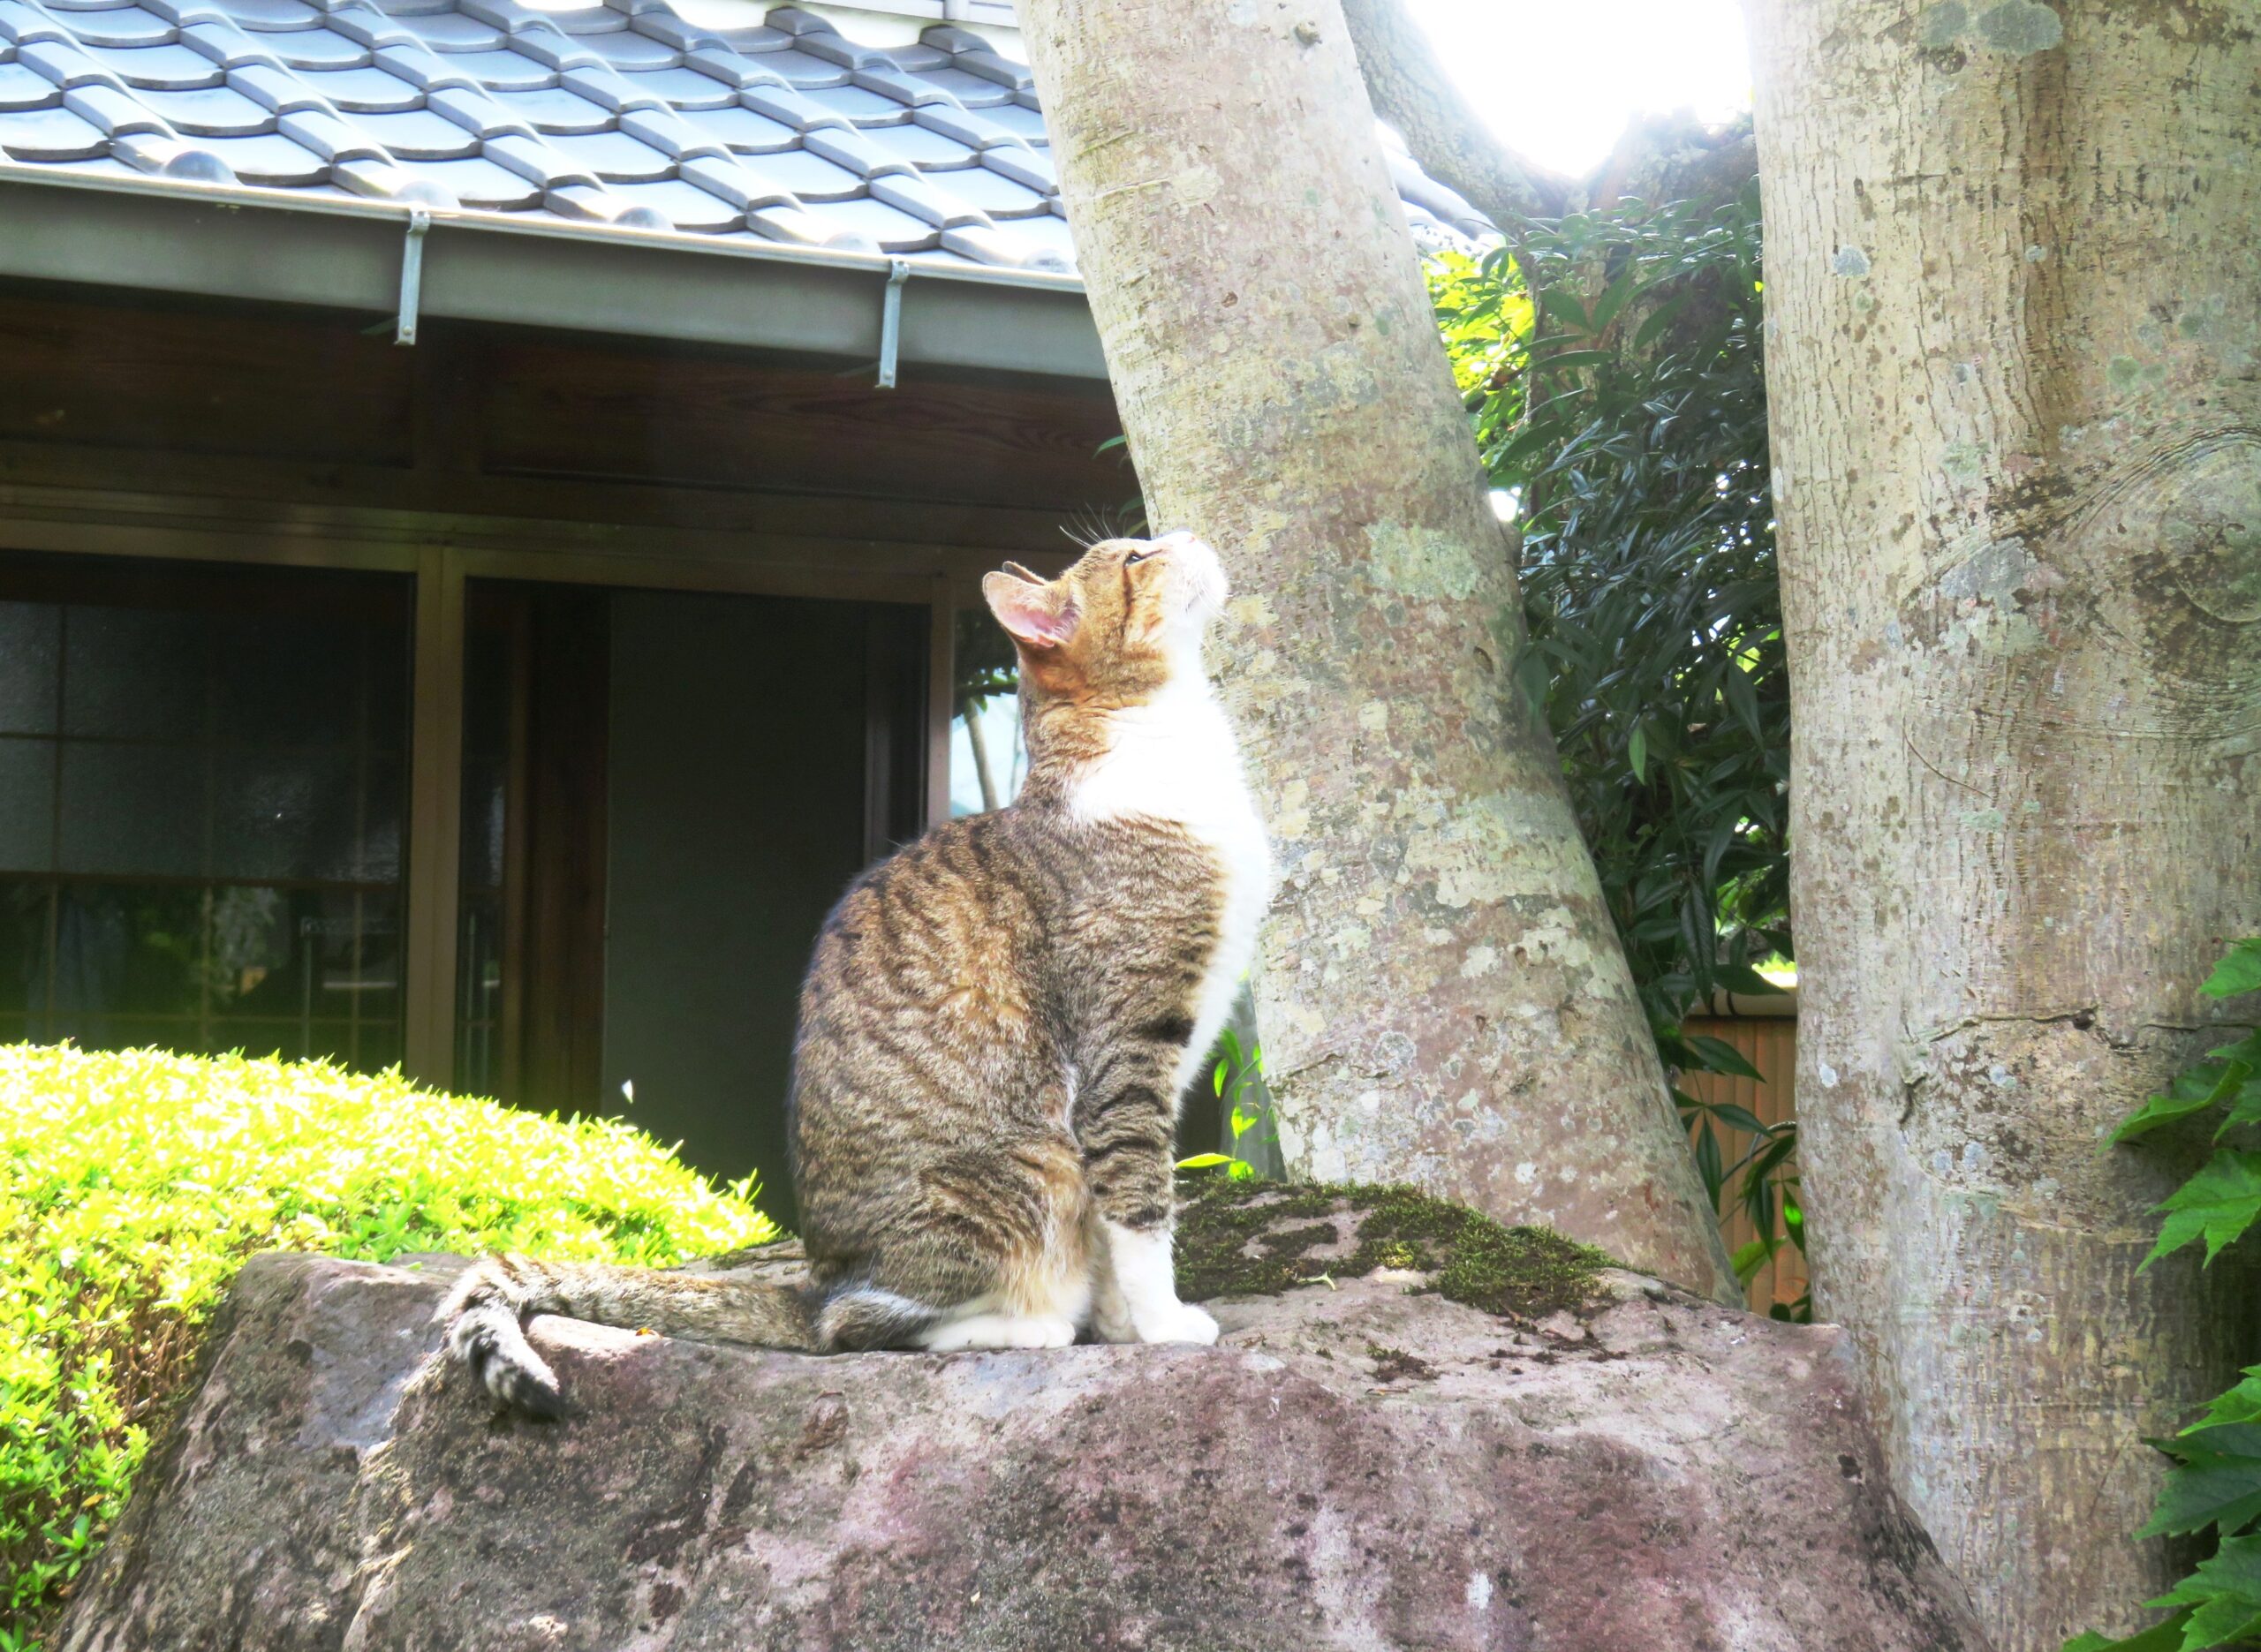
<point x="434" y="820"/>
<point x="941" y="668"/>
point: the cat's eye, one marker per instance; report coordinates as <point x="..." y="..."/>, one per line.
<point x="1136" y="556"/>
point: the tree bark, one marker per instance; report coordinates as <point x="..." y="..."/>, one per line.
<point x="1443" y="996"/>
<point x="2012" y="319"/>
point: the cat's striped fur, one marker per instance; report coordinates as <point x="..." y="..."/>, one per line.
<point x="997" y="1024"/>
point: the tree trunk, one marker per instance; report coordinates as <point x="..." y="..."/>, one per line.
<point x="2012" y="319"/>
<point x="1441" y="994"/>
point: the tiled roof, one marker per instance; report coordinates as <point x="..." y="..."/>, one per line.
<point x="620" y="113"/>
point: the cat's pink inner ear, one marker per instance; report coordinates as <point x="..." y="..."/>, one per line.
<point x="1038" y="617"/>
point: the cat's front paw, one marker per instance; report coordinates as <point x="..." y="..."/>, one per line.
<point x="1175" y="1322"/>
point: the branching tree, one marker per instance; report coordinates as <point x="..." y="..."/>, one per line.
<point x="1441" y="995"/>
<point x="2014" y="313"/>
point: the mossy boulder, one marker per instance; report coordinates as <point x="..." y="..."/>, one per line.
<point x="1253" y="1237"/>
<point x="1418" y="1429"/>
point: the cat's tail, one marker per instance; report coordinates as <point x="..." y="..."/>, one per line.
<point x="485" y="1315"/>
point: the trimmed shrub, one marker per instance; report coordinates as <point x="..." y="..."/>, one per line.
<point x="133" y="1183"/>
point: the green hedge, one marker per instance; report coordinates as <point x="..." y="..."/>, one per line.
<point x="133" y="1184"/>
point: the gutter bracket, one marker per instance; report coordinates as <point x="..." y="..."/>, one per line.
<point x="411" y="275"/>
<point x="898" y="272"/>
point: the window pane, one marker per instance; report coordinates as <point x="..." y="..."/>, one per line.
<point x="30" y="648"/>
<point x="124" y="948"/>
<point x="132" y="808"/>
<point x="26" y="805"/>
<point x="284" y="814"/>
<point x="134" y="674"/>
<point x="286" y="680"/>
<point x="23" y="945"/>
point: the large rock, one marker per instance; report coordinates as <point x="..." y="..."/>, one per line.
<point x="1360" y="1463"/>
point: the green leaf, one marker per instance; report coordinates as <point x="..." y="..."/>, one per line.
<point x="1660" y="319"/>
<point x="2215" y="1482"/>
<point x="1560" y="303"/>
<point x="2223" y="1595"/>
<point x="1613" y="299"/>
<point x="2240" y="1404"/>
<point x="1578" y="358"/>
<point x="2193" y="1091"/>
<point x="2239" y="972"/>
<point x="2160" y="1637"/>
<point x="1737" y="1118"/>
<point x="1719" y="1056"/>
<point x="1203" y="1161"/>
<point x="1748" y="1259"/>
<point x="2219" y="1203"/>
<point x="1637" y="753"/>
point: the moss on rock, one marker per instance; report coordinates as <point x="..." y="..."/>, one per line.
<point x="1252" y="1238"/>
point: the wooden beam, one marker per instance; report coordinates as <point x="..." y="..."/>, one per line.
<point x="434" y="820"/>
<point x="941" y="648"/>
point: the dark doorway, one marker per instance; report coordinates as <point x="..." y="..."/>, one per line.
<point x="694" y="778"/>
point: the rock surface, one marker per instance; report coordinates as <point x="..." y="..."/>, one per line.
<point x="1359" y="1464"/>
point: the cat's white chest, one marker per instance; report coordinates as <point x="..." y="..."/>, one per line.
<point x="1175" y="760"/>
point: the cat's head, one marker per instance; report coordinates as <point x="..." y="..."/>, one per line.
<point x="1120" y="625"/>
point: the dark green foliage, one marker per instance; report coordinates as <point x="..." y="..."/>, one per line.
<point x="2215" y="1485"/>
<point x="1626" y="407"/>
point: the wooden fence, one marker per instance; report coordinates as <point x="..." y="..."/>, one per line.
<point x="1769" y="1042"/>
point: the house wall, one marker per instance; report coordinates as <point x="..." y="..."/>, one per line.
<point x="139" y="426"/>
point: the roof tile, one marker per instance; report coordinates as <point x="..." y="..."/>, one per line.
<point x="124" y="25"/>
<point x="23" y="87"/>
<point x="53" y="134"/>
<point x="421" y="134"/>
<point x="609" y="89"/>
<point x="750" y="133"/>
<point x="113" y="110"/>
<point x="800" y="227"/>
<point x="370" y="90"/>
<point x="925" y="199"/>
<point x="63" y="63"/>
<point x="24" y="24"/>
<point x="270" y="159"/>
<point x="425" y="69"/>
<point x="211" y="111"/>
<point x="685" y="206"/>
<point x="628" y="113"/>
<point x="859" y="152"/>
<point x="617" y="157"/>
<point x="272" y="14"/>
<point x="171" y="157"/>
<point x="593" y="204"/>
<point x="328" y="135"/>
<point x="553" y="110"/>
<point x="273" y="89"/>
<point x="381" y="180"/>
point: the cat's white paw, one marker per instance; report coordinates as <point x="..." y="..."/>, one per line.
<point x="1176" y="1322"/>
<point x="1002" y="1330"/>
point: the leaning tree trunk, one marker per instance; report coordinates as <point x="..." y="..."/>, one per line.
<point x="1441" y="994"/>
<point x="2012" y="304"/>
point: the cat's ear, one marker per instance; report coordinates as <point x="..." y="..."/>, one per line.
<point x="1019" y="572"/>
<point x="1035" y="617"/>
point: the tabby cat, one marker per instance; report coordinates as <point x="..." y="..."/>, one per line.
<point x="996" y="1026"/>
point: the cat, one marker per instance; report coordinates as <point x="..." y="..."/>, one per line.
<point x="996" y="1027"/>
